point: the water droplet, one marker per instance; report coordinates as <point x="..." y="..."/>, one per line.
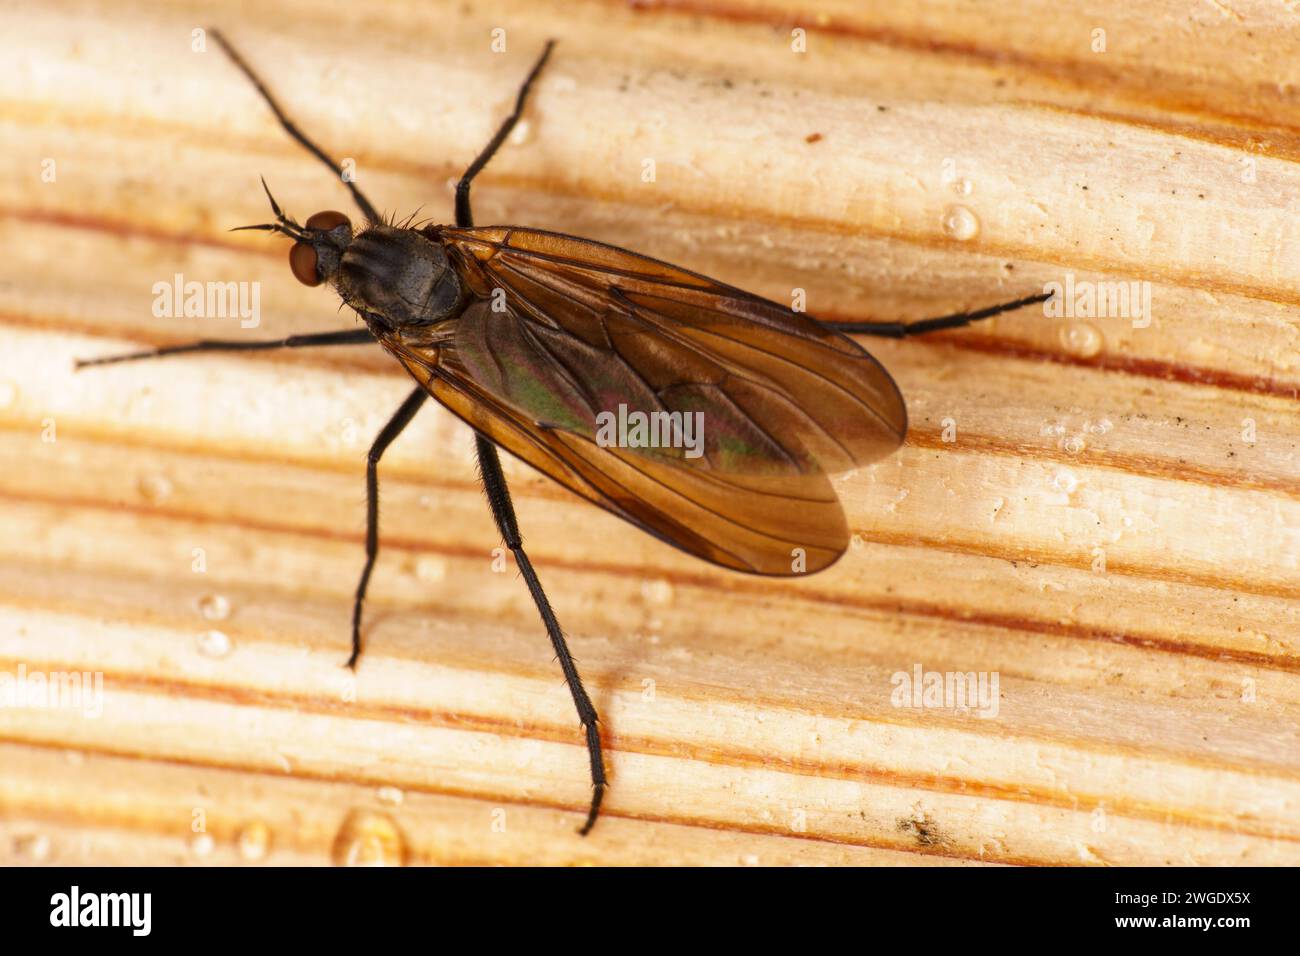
<point x="8" y="394"/>
<point x="658" y="591"/>
<point x="155" y="488"/>
<point x="858" y="542"/>
<point x="1066" y="481"/>
<point x="369" y="839"/>
<point x="431" y="569"/>
<point x="202" y="844"/>
<point x="214" y="644"/>
<point x="254" y="840"/>
<point x="214" y="607"/>
<point x="963" y="187"/>
<point x="33" y="846"/>
<point x="960" y="223"/>
<point x="1103" y="425"/>
<point x="749" y="859"/>
<point x="1073" y="444"/>
<point x="1082" y="339"/>
<point x="392" y="796"/>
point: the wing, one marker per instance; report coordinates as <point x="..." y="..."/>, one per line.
<point x="562" y="331"/>
<point x="773" y="524"/>
<point x="579" y="328"/>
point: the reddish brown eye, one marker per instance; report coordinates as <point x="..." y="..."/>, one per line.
<point x="302" y="261"/>
<point x="327" y="220"/>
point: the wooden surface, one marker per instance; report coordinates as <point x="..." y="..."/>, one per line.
<point x="1106" y="533"/>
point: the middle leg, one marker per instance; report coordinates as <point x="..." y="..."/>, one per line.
<point x="464" y="217"/>
<point x="344" y="337"/>
<point x="401" y="418"/>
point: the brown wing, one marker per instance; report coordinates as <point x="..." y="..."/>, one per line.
<point x="564" y="329"/>
<point x="583" y="327"/>
<point x="776" y="525"/>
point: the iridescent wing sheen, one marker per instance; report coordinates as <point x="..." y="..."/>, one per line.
<point x="561" y="330"/>
<point x="777" y="525"/>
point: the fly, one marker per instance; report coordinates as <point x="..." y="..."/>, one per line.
<point x="535" y="339"/>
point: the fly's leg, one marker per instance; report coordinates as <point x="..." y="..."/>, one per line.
<point x="386" y="437"/>
<point x="503" y="510"/>
<point x="464" y="217"/>
<point x="401" y="418"/>
<point x="291" y="128"/>
<point x="344" y="337"/>
<point x="898" y="330"/>
<point x="498" y="494"/>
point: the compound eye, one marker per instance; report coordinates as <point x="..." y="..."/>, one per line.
<point x="328" y="220"/>
<point x="302" y="261"/>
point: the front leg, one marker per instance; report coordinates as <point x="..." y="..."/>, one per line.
<point x="307" y="143"/>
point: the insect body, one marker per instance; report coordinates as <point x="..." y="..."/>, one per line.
<point x="533" y="337"/>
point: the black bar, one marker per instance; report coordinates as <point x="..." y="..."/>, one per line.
<point x="860" y="908"/>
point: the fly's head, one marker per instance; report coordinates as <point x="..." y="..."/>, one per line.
<point x="315" y="256"/>
<point x="397" y="279"/>
<point x="318" y="244"/>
